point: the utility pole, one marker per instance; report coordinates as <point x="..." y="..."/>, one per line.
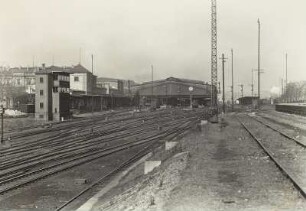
<point x="258" y="63"/>
<point x="286" y="76"/>
<point x="232" y="79"/>
<point x="282" y="90"/>
<point x="2" y="114"/>
<point x="80" y="56"/>
<point x="92" y="87"/>
<point x="241" y="85"/>
<point x="152" y="85"/>
<point x="282" y="86"/>
<point x="33" y="61"/>
<point x="223" y="86"/>
<point x="252" y="85"/>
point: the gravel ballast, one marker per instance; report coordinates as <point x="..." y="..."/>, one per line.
<point x="225" y="170"/>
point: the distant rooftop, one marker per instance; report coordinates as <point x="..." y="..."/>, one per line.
<point x="78" y="69"/>
<point x="180" y="80"/>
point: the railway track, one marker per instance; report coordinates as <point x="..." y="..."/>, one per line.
<point x="82" y="129"/>
<point x="180" y="131"/>
<point x="280" y="132"/>
<point x="59" y="143"/>
<point x="56" y="126"/>
<point x="20" y="168"/>
<point x="284" y="119"/>
<point x="277" y="154"/>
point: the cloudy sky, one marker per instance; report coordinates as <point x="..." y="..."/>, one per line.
<point x="127" y="36"/>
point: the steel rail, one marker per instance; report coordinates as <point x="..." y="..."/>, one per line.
<point x="115" y="149"/>
<point x="134" y="158"/>
<point x="295" y="181"/>
<point x="280" y="132"/>
<point x="90" y="146"/>
<point x="81" y="145"/>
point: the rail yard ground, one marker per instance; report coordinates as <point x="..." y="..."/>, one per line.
<point x="251" y="160"/>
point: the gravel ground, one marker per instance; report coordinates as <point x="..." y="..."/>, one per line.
<point x="296" y="121"/>
<point x="226" y="170"/>
<point x="49" y="193"/>
<point x="287" y="128"/>
<point x="291" y="155"/>
<point x="19" y="123"/>
<point x="151" y="191"/>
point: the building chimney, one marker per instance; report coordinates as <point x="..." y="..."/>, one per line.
<point x="43" y="66"/>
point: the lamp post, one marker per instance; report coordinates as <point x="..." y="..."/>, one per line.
<point x="2" y="113"/>
<point x="190" y="90"/>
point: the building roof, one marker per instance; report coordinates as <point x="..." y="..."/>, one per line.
<point x="78" y="69"/>
<point x="174" y="80"/>
<point x="104" y="79"/>
<point x="23" y="69"/>
<point x="179" y="80"/>
<point x="52" y="69"/>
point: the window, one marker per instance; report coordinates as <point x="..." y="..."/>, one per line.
<point x="41" y="79"/>
<point x="18" y="81"/>
<point x="41" y="92"/>
<point x="41" y="116"/>
<point x="55" y="110"/>
<point x="55" y="89"/>
<point x="76" y="78"/>
<point x="41" y="105"/>
<point x="55" y="77"/>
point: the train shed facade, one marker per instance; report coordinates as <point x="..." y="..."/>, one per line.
<point x="174" y="91"/>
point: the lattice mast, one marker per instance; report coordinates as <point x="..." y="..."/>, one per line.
<point x="214" y="54"/>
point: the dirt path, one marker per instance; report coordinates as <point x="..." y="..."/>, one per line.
<point x="228" y="171"/>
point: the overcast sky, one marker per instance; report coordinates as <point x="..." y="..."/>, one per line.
<point x="127" y="36"/>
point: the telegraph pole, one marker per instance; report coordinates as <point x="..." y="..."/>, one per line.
<point x="286" y="76"/>
<point x="92" y="85"/>
<point x="241" y="85"/>
<point x="80" y="56"/>
<point x="2" y="114"/>
<point x="232" y="79"/>
<point x="282" y="86"/>
<point x="92" y="88"/>
<point x="252" y="85"/>
<point x="33" y="61"/>
<point x="258" y="63"/>
<point x="223" y="86"/>
<point x="152" y="85"/>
